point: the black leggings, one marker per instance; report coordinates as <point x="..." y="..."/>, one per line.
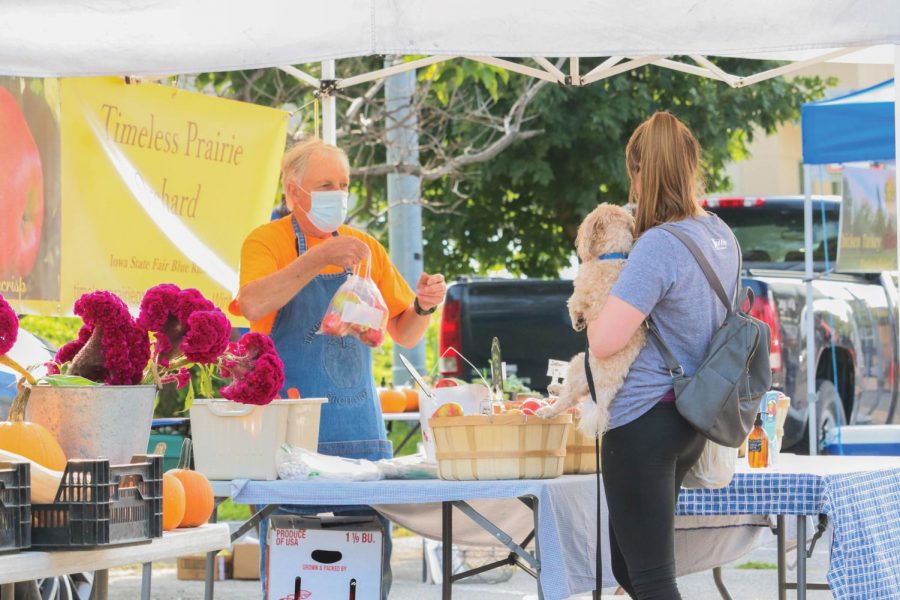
<point x="644" y="463"/>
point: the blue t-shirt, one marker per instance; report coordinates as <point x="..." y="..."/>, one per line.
<point x="662" y="279"/>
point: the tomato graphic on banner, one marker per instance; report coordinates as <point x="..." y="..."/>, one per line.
<point x="21" y="191"/>
<point x="29" y="189"/>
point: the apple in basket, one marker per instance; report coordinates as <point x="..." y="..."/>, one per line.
<point x="531" y="406"/>
<point x="448" y="409"/>
<point x="448" y="382"/>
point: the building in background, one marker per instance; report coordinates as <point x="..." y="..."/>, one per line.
<point x="775" y="166"/>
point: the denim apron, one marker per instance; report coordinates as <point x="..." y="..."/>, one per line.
<point x="336" y="368"/>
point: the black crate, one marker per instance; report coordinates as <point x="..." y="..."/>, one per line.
<point x="102" y="505"/>
<point x="15" y="506"/>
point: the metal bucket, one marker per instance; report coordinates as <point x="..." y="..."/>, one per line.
<point x="104" y="421"/>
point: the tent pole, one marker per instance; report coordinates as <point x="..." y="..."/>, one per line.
<point x="897" y="169"/>
<point x="810" y="314"/>
<point x="329" y="112"/>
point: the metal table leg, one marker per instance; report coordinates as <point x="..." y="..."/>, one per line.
<point x="101" y="585"/>
<point x="447" y="550"/>
<point x="782" y="573"/>
<point x="720" y="583"/>
<point x="146" y="578"/>
<point x="801" y="557"/>
<point x="537" y="546"/>
<point x="209" y="584"/>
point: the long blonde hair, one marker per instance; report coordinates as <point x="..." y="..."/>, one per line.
<point x="663" y="157"/>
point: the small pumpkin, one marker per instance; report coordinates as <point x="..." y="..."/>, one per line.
<point x="199" y="499"/>
<point x="412" y="399"/>
<point x="392" y="401"/>
<point x="31" y="440"/>
<point x="174" y="502"/>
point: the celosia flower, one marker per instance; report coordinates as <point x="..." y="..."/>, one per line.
<point x="255" y="368"/>
<point x="9" y="326"/>
<point x="207" y="336"/>
<point x="111" y="348"/>
<point x="171" y="313"/>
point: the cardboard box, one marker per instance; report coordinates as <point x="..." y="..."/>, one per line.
<point x="245" y="559"/>
<point x="193" y="568"/>
<point x="325" y="558"/>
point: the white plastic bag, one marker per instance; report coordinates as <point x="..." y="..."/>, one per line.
<point x="301" y="464"/>
<point x="357" y="309"/>
<point x="714" y="469"/>
<point x="407" y="467"/>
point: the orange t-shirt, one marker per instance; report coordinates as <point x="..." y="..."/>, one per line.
<point x="271" y="247"/>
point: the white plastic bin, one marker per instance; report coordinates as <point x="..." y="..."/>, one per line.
<point x="865" y="440"/>
<point x="240" y="441"/>
<point x="469" y="396"/>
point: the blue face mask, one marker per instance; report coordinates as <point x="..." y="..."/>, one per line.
<point x="328" y="210"/>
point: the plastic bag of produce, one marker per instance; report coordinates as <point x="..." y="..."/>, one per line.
<point x="357" y="309"/>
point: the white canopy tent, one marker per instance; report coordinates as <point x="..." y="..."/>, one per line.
<point x="59" y="38"/>
<point x="141" y="37"/>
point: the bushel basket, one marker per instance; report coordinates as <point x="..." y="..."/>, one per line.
<point x="500" y="446"/>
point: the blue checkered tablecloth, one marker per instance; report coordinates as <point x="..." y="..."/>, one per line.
<point x="861" y="497"/>
<point x="865" y="553"/>
<point x="769" y="493"/>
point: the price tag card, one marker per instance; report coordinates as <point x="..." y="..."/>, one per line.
<point x="557" y="369"/>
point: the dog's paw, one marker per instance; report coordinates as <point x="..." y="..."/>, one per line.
<point x="547" y="412"/>
<point x="578" y="322"/>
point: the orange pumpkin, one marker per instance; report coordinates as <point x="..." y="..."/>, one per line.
<point x="392" y="401"/>
<point x="412" y="399"/>
<point x="30" y="440"/>
<point x="174" y="501"/>
<point x="199" y="499"/>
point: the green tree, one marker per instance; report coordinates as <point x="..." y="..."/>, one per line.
<point x="511" y="165"/>
<point x="524" y="206"/>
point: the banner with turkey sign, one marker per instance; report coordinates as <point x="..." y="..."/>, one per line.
<point x="868" y="240"/>
<point x="158" y="185"/>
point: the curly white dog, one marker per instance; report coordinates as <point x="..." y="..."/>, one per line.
<point x="604" y="239"/>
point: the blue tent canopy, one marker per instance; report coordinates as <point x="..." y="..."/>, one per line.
<point x="852" y="128"/>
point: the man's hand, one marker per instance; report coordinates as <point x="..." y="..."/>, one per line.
<point x="430" y="290"/>
<point x="342" y="251"/>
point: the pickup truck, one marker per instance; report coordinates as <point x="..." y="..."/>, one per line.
<point x="855" y="318"/>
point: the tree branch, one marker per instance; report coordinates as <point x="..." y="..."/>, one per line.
<point x="511" y="133"/>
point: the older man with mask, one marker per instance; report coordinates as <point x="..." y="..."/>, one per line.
<point x="290" y="270"/>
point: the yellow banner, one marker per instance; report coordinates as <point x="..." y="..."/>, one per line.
<point x="159" y="185"/>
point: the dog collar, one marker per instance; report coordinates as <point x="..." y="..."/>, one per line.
<point x="613" y="256"/>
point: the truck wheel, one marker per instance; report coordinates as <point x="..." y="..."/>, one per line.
<point x="829" y="412"/>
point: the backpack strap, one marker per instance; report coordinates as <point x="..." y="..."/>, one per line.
<point x="598" y="574"/>
<point x="672" y="364"/>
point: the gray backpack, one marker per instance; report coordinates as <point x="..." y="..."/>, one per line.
<point x="722" y="398"/>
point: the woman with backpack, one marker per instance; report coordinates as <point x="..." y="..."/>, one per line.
<point x="648" y="446"/>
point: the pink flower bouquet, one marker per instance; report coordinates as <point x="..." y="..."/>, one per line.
<point x="176" y="332"/>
